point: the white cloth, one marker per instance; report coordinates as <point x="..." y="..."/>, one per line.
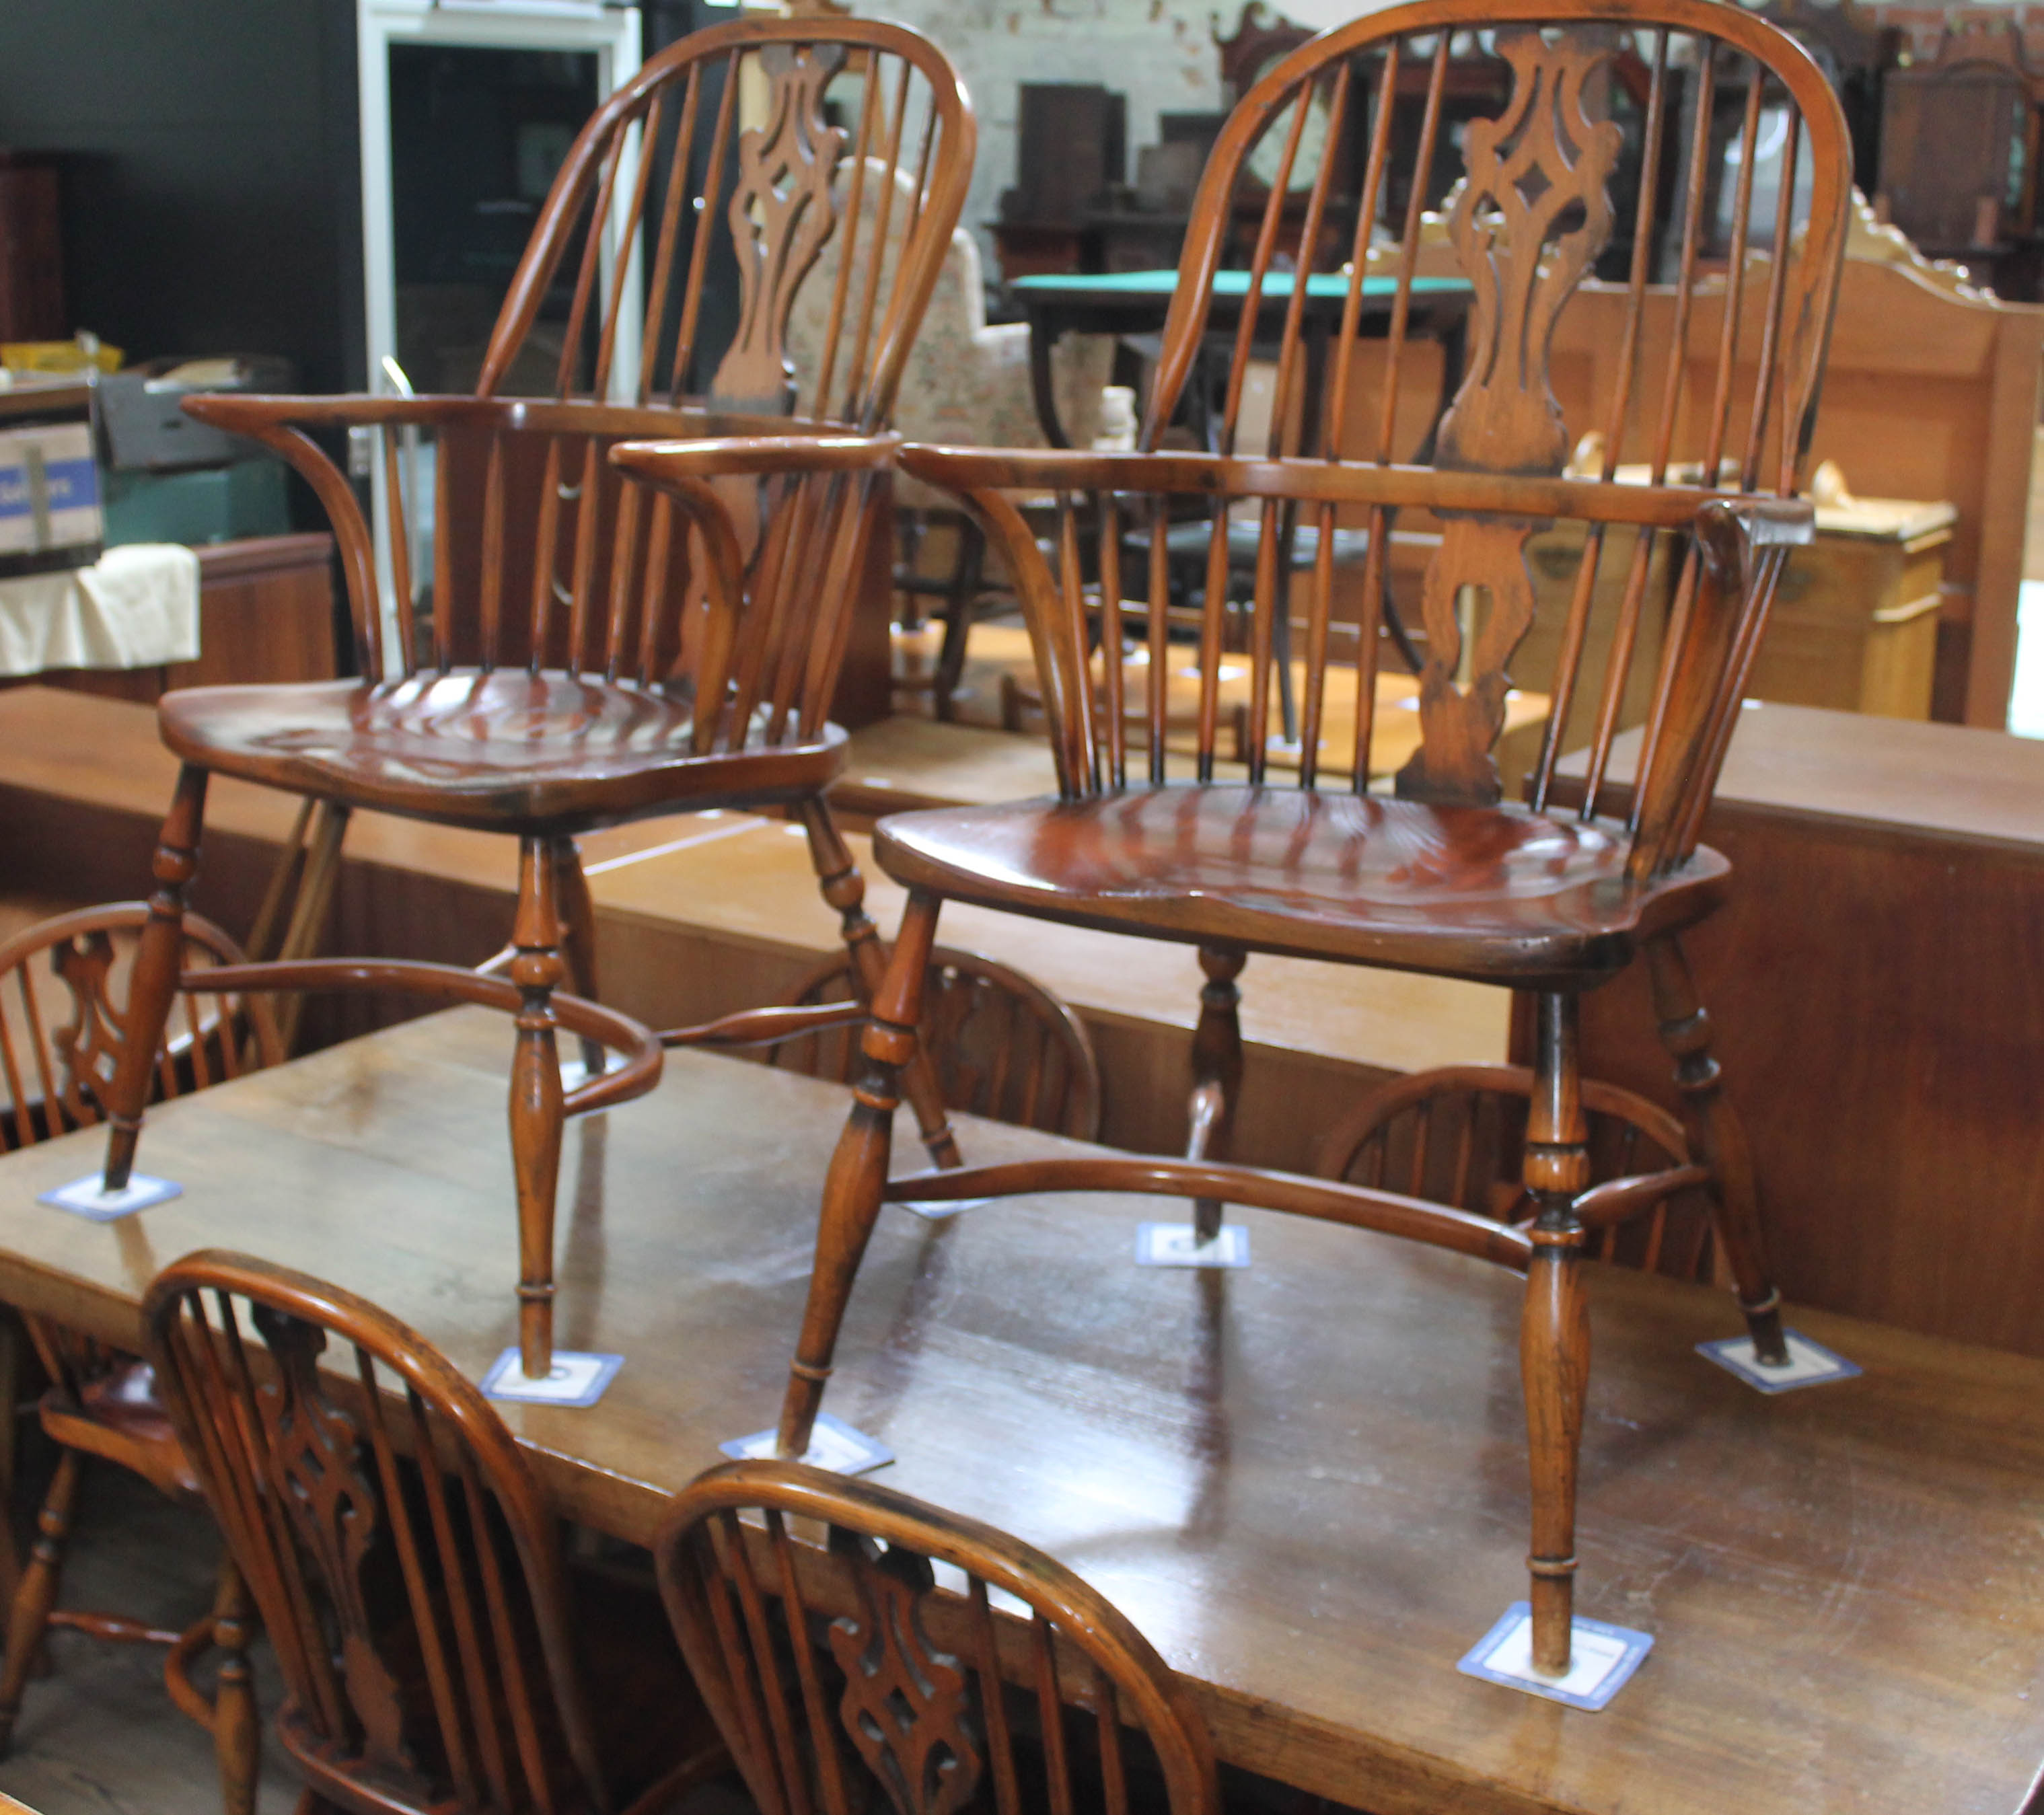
<point x="137" y="607"/>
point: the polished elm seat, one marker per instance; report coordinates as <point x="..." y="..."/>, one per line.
<point x="1365" y="880"/>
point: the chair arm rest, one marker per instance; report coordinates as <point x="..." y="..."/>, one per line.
<point x="661" y="463"/>
<point x="248" y="413"/>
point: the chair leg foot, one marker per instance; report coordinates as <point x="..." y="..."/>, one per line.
<point x="158" y="959"/>
<point x="1717" y="1139"/>
<point x="853" y="1191"/>
<point x="536" y="1101"/>
<point x="29" y="1618"/>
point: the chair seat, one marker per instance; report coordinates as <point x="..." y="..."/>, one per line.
<point x="1497" y="894"/>
<point x="504" y="751"/>
<point x="120" y="1416"/>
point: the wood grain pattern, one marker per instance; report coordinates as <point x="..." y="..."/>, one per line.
<point x="1312" y="1562"/>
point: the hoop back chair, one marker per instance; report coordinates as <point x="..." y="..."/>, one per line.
<point x="595" y="652"/>
<point x="1717" y="386"/>
<point x="833" y="1668"/>
<point x="406" y="1562"/>
<point x="62" y="1023"/>
<point x="999" y="1045"/>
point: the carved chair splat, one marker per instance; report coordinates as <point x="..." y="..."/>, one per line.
<point x="1443" y="875"/>
<point x="579" y="649"/>
<point x="64" y="1023"/>
<point x="835" y="1666"/>
<point x="407" y="1565"/>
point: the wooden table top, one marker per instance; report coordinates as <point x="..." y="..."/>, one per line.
<point x="1305" y="1482"/>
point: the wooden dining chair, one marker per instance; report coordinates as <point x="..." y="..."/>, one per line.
<point x="579" y="651"/>
<point x="64" y="1020"/>
<point x="843" y="1668"/>
<point x="436" y="1654"/>
<point x="1001" y="1044"/>
<point x="1443" y="875"/>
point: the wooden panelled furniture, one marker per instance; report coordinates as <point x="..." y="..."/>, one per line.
<point x="597" y="654"/>
<point x="1444" y="877"/>
<point x="407" y="1564"/>
<point x="925" y="1687"/>
<point x="62" y="983"/>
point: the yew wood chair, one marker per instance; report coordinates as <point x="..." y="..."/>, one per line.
<point x="594" y="652"/>
<point x="1001" y="1044"/>
<point x="436" y="1654"/>
<point x="1443" y="875"/>
<point x="63" y="1022"/>
<point x="843" y="1669"/>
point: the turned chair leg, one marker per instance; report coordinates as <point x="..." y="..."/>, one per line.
<point x="964" y="594"/>
<point x="29" y="1620"/>
<point x="536" y="1100"/>
<point x="237" y="1734"/>
<point x="844" y="888"/>
<point x="1717" y="1140"/>
<point x="1554" y="1334"/>
<point x="158" y="958"/>
<point x="1216" y="1074"/>
<point x="858" y="1178"/>
<point x="577" y="937"/>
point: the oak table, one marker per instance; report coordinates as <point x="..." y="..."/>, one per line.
<point x="1305" y="1482"/>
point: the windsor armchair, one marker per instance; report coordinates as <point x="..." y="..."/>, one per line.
<point x="62" y="983"/>
<point x="1443" y="875"/>
<point x="1000" y="1044"/>
<point x="593" y="653"/>
<point x="831" y="1666"/>
<point x="436" y="1653"/>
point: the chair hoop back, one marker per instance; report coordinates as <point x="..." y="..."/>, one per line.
<point x="1003" y="1046"/>
<point x="824" y="1662"/>
<point x="62" y="1028"/>
<point x="1660" y="189"/>
<point x="402" y="1555"/>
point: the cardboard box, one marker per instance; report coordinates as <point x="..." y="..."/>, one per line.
<point x="50" y="515"/>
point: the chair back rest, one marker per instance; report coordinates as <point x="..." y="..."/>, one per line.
<point x="1002" y="1045"/>
<point x="1305" y="232"/>
<point x="64" y="993"/>
<point x="1457" y="1137"/>
<point x="714" y="170"/>
<point x="904" y="1649"/>
<point x="401" y="1555"/>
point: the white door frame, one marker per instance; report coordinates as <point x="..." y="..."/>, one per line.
<point x="610" y="31"/>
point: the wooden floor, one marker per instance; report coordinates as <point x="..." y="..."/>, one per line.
<point x="98" y="1735"/>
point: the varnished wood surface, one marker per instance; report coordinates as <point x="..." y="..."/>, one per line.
<point x="1876" y="978"/>
<point x="1305" y="1482"/>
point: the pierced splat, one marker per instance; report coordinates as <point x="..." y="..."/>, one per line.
<point x="315" y="1455"/>
<point x="1532" y="216"/>
<point x="782" y="215"/>
<point x="88" y="1045"/>
<point x="907" y="1706"/>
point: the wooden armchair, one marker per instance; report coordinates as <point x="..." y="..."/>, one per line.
<point x="583" y="652"/>
<point x="1443" y="875"/>
<point x="437" y="1655"/>
<point x="63" y="985"/>
<point x="841" y="1669"/>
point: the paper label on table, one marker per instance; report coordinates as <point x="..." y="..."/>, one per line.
<point x="83" y="1197"/>
<point x="1178" y="1245"/>
<point x="1601" y="1659"/>
<point x="833" y="1444"/>
<point x="940" y="1212"/>
<point x="576" y="1379"/>
<point x="1809" y="1364"/>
